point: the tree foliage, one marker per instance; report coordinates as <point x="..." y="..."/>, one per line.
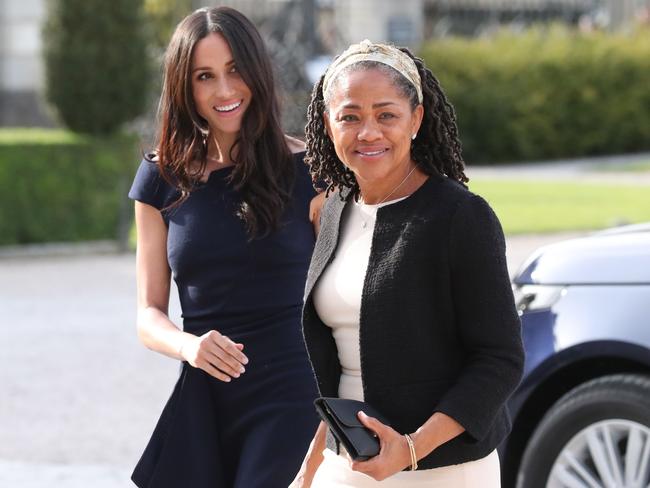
<point x="97" y="68"/>
<point x="547" y="93"/>
<point x="164" y="15"/>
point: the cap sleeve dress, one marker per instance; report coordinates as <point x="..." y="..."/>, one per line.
<point x="255" y="430"/>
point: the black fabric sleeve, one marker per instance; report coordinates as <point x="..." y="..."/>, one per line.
<point x="485" y="317"/>
<point x="150" y="187"/>
<point x="303" y="176"/>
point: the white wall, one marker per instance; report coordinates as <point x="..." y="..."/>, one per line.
<point x="372" y="19"/>
<point x="21" y="66"/>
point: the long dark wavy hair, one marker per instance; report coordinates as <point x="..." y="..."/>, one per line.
<point x="436" y="149"/>
<point x="263" y="172"/>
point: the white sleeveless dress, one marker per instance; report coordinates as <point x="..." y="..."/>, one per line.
<point x="337" y="299"/>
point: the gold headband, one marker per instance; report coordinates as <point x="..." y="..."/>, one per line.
<point x="381" y="53"/>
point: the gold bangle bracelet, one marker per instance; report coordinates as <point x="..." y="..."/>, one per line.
<point x="414" y="458"/>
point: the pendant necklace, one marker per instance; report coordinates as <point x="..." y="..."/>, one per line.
<point x="364" y="222"/>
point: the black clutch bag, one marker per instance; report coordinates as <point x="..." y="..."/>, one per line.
<point x="340" y="415"/>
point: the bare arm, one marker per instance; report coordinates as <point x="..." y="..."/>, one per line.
<point x="295" y="145"/>
<point x="213" y="352"/>
<point x="315" y="207"/>
<point x="437" y="430"/>
<point x="394" y="454"/>
<point x="313" y="459"/>
<point x="155" y="330"/>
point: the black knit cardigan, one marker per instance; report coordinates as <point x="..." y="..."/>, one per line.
<point x="438" y="327"/>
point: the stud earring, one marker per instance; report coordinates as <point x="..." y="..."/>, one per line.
<point x="414" y="136"/>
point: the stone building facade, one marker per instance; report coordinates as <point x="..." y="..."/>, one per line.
<point x="21" y="66"/>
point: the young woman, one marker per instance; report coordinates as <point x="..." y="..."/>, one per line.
<point x="225" y="205"/>
<point x="408" y="303"/>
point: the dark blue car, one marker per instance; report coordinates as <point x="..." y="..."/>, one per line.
<point x="581" y="416"/>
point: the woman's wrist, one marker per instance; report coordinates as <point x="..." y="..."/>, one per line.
<point x="437" y="430"/>
<point x="421" y="445"/>
<point x="412" y="455"/>
<point x="314" y="459"/>
<point x="182" y="347"/>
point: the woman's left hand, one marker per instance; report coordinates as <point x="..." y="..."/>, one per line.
<point x="394" y="454"/>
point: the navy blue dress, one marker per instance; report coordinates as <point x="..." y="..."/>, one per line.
<point x="255" y="430"/>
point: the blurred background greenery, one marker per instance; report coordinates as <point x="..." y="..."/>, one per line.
<point x="529" y="206"/>
<point x="59" y="186"/>
<point x="537" y="89"/>
<point x="546" y="93"/>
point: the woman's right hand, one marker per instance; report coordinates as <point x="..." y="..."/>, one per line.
<point x="215" y="354"/>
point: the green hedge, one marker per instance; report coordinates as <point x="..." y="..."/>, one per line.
<point x="56" y="186"/>
<point x="547" y="93"/>
<point x="96" y="63"/>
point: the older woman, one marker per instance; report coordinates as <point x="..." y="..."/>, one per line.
<point x="408" y="302"/>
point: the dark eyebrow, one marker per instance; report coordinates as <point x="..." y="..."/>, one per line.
<point x="374" y="105"/>
<point x="207" y="68"/>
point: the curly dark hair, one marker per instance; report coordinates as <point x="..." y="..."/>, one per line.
<point x="436" y="149"/>
<point x="264" y="169"/>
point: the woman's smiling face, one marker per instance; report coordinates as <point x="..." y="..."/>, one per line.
<point x="220" y="94"/>
<point x="371" y="123"/>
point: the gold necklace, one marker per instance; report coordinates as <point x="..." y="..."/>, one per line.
<point x="364" y="223"/>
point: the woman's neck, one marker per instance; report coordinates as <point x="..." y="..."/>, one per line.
<point x="401" y="183"/>
<point x="220" y="149"/>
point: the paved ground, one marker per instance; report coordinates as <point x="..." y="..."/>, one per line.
<point x="80" y="394"/>
<point x="78" y="390"/>
<point x="605" y="169"/>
